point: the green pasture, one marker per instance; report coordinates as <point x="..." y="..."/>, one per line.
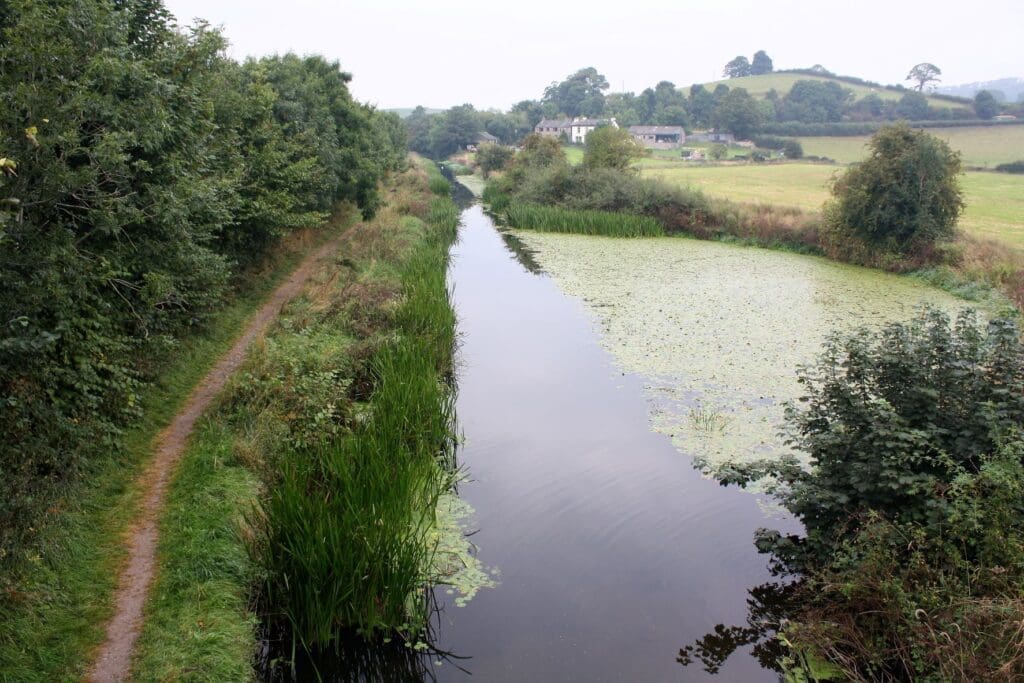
<point x="994" y="201"/>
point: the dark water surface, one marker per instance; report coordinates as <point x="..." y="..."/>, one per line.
<point x="614" y="553"/>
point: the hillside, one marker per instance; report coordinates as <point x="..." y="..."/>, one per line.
<point x="1012" y="89"/>
<point x="782" y="81"/>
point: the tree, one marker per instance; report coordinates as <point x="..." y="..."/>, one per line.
<point x="761" y="64"/>
<point x="737" y="68"/>
<point x="718" y="152"/>
<point x="453" y="130"/>
<point x="924" y="73"/>
<point x="738" y="113"/>
<point x="672" y="116"/>
<point x="581" y="94"/>
<point x="493" y="158"/>
<point x="904" y="196"/>
<point x="985" y="104"/>
<point x="811" y="101"/>
<point x="913" y="106"/>
<point x="701" y="105"/>
<point x="611" y="147"/>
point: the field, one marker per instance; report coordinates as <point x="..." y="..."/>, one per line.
<point x="758" y="86"/>
<point x="984" y="146"/>
<point x="995" y="201"/>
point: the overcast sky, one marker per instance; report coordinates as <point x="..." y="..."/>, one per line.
<point x="440" y="53"/>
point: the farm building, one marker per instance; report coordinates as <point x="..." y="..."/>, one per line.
<point x="659" y="137"/>
<point x="575" y="130"/>
<point x="483" y="138"/>
<point x="553" y="128"/>
<point x="712" y="136"/>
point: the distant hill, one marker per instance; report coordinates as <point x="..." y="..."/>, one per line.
<point x="405" y="111"/>
<point x="782" y="81"/>
<point x="1010" y="89"/>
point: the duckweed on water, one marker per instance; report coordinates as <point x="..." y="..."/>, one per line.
<point x="717" y="331"/>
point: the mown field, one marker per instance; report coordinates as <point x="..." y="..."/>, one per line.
<point x="985" y="146"/>
<point x="995" y="201"/>
<point x="758" y="86"/>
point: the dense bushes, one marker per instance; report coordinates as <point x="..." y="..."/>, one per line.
<point x="903" y="197"/>
<point x="1012" y="167"/>
<point x="149" y="167"/>
<point x="914" y="548"/>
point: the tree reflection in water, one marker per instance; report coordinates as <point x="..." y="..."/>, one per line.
<point x="768" y="609"/>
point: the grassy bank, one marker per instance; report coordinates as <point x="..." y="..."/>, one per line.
<point x="55" y="615"/>
<point x="316" y="477"/>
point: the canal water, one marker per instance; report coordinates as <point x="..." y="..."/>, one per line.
<point x="612" y="551"/>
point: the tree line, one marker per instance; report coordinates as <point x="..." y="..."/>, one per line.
<point x="142" y="171"/>
<point x="811" y="101"/>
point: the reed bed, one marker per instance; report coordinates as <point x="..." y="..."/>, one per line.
<point x="345" y="529"/>
<point x="583" y="222"/>
<point x="439" y="185"/>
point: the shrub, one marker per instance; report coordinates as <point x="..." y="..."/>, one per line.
<point x="793" y="149"/>
<point x="610" y="147"/>
<point x="914" y="550"/>
<point x="493" y="158"/>
<point x="904" y="196"/>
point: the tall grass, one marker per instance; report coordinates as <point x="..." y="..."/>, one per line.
<point x="439" y="185"/>
<point x="584" y="222"/>
<point x="345" y="531"/>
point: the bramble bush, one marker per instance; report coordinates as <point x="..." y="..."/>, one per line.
<point x="913" y="554"/>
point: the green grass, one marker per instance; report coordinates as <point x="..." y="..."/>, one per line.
<point x="801" y="185"/>
<point x="343" y="501"/>
<point x="197" y="621"/>
<point x="994" y="201"/>
<point x="984" y="146"/>
<point x="573" y="154"/>
<point x="583" y="222"/>
<point x="759" y="86"/>
<point x="49" y="630"/>
<point x="345" y="534"/>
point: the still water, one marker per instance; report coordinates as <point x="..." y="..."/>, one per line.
<point x="613" y="551"/>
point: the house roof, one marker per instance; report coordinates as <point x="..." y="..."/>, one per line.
<point x="553" y="123"/>
<point x="590" y="122"/>
<point x="656" y="130"/>
<point x="484" y="136"/>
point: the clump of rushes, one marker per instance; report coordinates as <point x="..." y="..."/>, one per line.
<point x="584" y="222"/>
<point x="344" y="537"/>
<point x="439" y="185"/>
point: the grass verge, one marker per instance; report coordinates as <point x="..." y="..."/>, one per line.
<point x="315" y="477"/>
<point x="54" y="619"/>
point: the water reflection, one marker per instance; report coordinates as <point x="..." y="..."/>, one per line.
<point x="769" y="605"/>
<point x="353" y="658"/>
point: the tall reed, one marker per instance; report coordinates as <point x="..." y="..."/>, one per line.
<point x="584" y="222"/>
<point x="345" y="532"/>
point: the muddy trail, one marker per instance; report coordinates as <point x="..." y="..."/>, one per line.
<point x="113" y="660"/>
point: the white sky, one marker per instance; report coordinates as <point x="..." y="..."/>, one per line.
<point x="440" y="53"/>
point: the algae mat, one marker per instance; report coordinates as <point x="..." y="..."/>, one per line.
<point x="717" y="331"/>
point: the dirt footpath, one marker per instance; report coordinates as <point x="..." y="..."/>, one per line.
<point x="114" y="658"/>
